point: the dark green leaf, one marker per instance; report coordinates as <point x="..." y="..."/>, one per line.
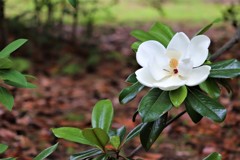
<point x="71" y="134"/>
<point x="129" y="93"/>
<point x="13" y="76"/>
<point x="206" y="28"/>
<point x="135" y="46"/>
<point x="103" y="157"/>
<point x="6" y="98"/>
<point x="154" y="105"/>
<point x="225" y="84"/>
<point x="14" y="84"/>
<point x="102" y="115"/>
<point x="211" y="87"/>
<point x="151" y="131"/>
<point x="119" y="132"/>
<point x="86" y="154"/>
<point x="225" y="69"/>
<point x="12" y="47"/>
<point x="131" y="78"/>
<point x="8" y="158"/>
<point x="206" y="106"/>
<point x="3" y="148"/>
<point x="97" y="136"/>
<point x="45" y="153"/>
<point x="178" y="96"/>
<point x="163" y="29"/>
<point x="135" y="132"/>
<point x="5" y="63"/>
<point x="195" y="116"/>
<point x="73" y="3"/>
<point x="214" y="156"/>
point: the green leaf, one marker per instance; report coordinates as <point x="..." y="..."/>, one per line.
<point x="8" y="158"/>
<point x="12" y="47"/>
<point x="154" y="105"/>
<point x="129" y="93"/>
<point x="119" y="132"/>
<point x="151" y="131"/>
<point x="163" y="29"/>
<point x="6" y="98"/>
<point x="211" y="88"/>
<point x="26" y="85"/>
<point x="178" y="96"/>
<point x="103" y="157"/>
<point x="195" y="116"/>
<point x="142" y="35"/>
<point x="73" y="3"/>
<point x="97" y="136"/>
<point x="225" y="83"/>
<point x="3" y="148"/>
<point x="5" y="63"/>
<point x="206" y="106"/>
<point x="102" y="115"/>
<point x="135" y="132"/>
<point x="86" y="154"/>
<point x="115" y="141"/>
<point x="225" y="69"/>
<point x="131" y="78"/>
<point x="71" y="134"/>
<point x="206" y="28"/>
<point x="214" y="156"/>
<point x="45" y="153"/>
<point x="135" y="46"/>
<point x="13" y="76"/>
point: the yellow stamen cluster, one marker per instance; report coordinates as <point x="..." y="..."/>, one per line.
<point x="173" y="63"/>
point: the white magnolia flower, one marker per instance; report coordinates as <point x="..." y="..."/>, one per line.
<point x="177" y="65"/>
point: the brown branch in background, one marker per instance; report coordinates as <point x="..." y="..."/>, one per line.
<point x="234" y="40"/>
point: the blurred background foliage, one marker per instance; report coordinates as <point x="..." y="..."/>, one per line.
<point x="52" y="24"/>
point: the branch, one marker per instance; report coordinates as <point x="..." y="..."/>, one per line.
<point x="234" y="40"/>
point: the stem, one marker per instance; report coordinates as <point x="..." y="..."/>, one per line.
<point x="168" y="123"/>
<point x="234" y="40"/>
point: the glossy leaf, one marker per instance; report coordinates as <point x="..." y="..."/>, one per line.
<point x="102" y="115"/>
<point x="119" y="132"/>
<point x="86" y="154"/>
<point x="195" y="116"/>
<point x="135" y="132"/>
<point x="3" y="148"/>
<point x="18" y="85"/>
<point x="206" y="106"/>
<point x="225" y="69"/>
<point x="131" y="78"/>
<point x="73" y="3"/>
<point x="129" y="93"/>
<point x="5" y="63"/>
<point x="12" y="47"/>
<point x="151" y="131"/>
<point x="142" y="35"/>
<point x="6" y="98"/>
<point x="8" y="158"/>
<point x="225" y="83"/>
<point x="13" y="76"/>
<point x="178" y="96"/>
<point x="71" y="134"/>
<point x="207" y="27"/>
<point x="115" y="141"/>
<point x="153" y="105"/>
<point x="214" y="156"/>
<point x="96" y="136"/>
<point x="211" y="88"/>
<point x="163" y="29"/>
<point x="135" y="46"/>
<point x="45" y="153"/>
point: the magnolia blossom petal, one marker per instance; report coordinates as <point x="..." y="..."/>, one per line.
<point x="179" y="43"/>
<point x="170" y="83"/>
<point x="157" y="68"/>
<point x="198" y="75"/>
<point x="147" y="50"/>
<point x="174" y="54"/>
<point x="144" y="77"/>
<point x="198" y="50"/>
<point x="185" y="68"/>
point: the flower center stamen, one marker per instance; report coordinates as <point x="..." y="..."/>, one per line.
<point x="173" y="63"/>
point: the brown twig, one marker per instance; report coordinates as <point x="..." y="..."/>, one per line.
<point x="234" y="40"/>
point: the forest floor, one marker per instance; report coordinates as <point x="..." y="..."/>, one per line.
<point x="63" y="100"/>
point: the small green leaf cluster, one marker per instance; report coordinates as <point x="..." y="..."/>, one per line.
<point x="200" y="101"/>
<point x="9" y="75"/>
<point x="44" y="154"/>
<point x="107" y="142"/>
